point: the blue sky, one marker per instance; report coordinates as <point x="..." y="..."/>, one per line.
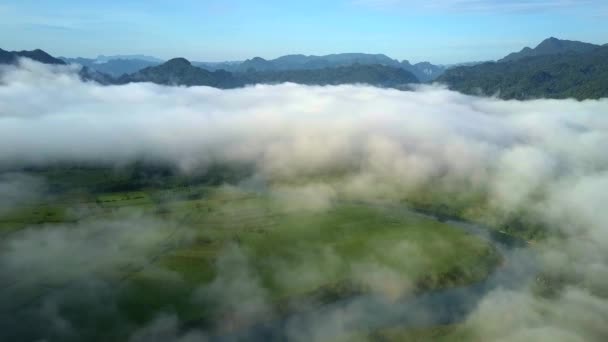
<point x="441" y="31"/>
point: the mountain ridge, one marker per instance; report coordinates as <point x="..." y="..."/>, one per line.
<point x="126" y="64"/>
<point x="424" y="71"/>
<point x="582" y="75"/>
<point x="551" y="46"/>
<point x="114" y="67"/>
<point x="554" y="69"/>
<point x="12" y="57"/>
<point x="180" y="71"/>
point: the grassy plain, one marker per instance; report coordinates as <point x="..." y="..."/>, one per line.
<point x="291" y="255"/>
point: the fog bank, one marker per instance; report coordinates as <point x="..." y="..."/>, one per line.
<point x="496" y="160"/>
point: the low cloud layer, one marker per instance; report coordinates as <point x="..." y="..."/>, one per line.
<point x="495" y="159"/>
<point x="18" y="189"/>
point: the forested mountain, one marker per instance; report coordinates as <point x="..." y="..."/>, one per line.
<point x="114" y="66"/>
<point x="580" y="75"/>
<point x="88" y="74"/>
<point x="377" y="75"/>
<point x="213" y="66"/>
<point x="423" y="71"/>
<point x="104" y="58"/>
<point x="11" y="57"/>
<point x="558" y="69"/>
<point x="180" y="71"/>
<point x="551" y="46"/>
<point x="302" y="62"/>
<point x="118" y="65"/>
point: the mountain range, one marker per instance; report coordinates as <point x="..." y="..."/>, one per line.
<point x="180" y="71"/>
<point x="127" y="64"/>
<point x="372" y="74"/>
<point x="553" y="69"/>
<point x="104" y="58"/>
<point x="115" y="65"/>
<point x="11" y="57"/>
<point x="551" y="46"/>
<point x="423" y="71"/>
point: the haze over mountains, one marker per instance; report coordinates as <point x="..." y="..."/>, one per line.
<point x="346" y="197"/>
<point x="424" y="71"/>
<point x="114" y="66"/>
<point x="181" y="71"/>
<point x="553" y="69"/>
<point x="127" y="64"/>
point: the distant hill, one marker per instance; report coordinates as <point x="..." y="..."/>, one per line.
<point x="127" y="64"/>
<point x="580" y="75"/>
<point x="376" y="75"/>
<point x="88" y="74"/>
<point x="551" y="46"/>
<point x="294" y="62"/>
<point x="213" y="66"/>
<point x="179" y="71"/>
<point x="302" y="62"/>
<point x="449" y="66"/>
<point x="11" y="57"/>
<point x="145" y="58"/>
<point x="423" y="71"/>
<point x="113" y="66"/>
<point x="564" y="69"/>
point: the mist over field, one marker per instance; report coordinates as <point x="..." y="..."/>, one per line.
<point x="541" y="162"/>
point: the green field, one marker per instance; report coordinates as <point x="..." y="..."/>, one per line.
<point x="217" y="249"/>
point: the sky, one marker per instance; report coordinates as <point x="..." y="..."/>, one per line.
<point x="441" y="31"/>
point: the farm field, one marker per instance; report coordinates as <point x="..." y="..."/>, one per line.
<point x="201" y="252"/>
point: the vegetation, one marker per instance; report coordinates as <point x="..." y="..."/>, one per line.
<point x="554" y="69"/>
<point x="113" y="67"/>
<point x="377" y="75"/>
<point x="11" y="57"/>
<point x="179" y="71"/>
<point x="449" y="333"/>
<point x="551" y="46"/>
<point x="571" y="75"/>
<point x="423" y="71"/>
<point x="293" y="255"/>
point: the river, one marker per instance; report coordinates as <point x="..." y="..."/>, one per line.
<point x="370" y="312"/>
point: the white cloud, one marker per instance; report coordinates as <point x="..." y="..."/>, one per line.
<point x="547" y="156"/>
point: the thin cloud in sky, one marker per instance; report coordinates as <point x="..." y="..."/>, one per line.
<point x="73" y="18"/>
<point x="481" y="5"/>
